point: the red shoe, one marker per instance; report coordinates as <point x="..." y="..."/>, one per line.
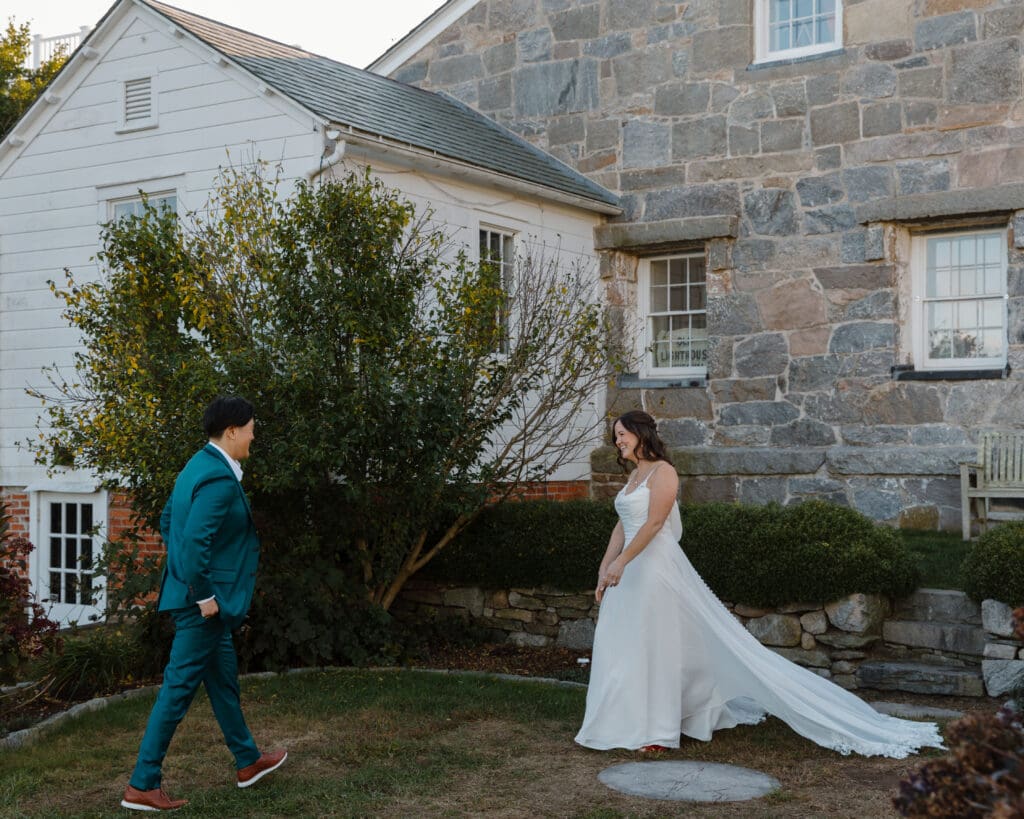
<point x="154" y="800"/>
<point x="653" y="749"/>
<point x="270" y="761"/>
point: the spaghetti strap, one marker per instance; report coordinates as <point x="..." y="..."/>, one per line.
<point x="648" y="477"/>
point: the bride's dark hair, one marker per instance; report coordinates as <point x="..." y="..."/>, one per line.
<point x="644" y="427"/>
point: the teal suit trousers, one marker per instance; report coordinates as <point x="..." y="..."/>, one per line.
<point x="203" y="653"/>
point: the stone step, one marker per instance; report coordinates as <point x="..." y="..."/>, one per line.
<point x="938" y="606"/>
<point x="921" y="678"/>
<point x="939" y="636"/>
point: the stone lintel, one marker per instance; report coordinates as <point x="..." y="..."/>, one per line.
<point x="665" y="234"/>
<point x="1003" y="198"/>
<point x="897" y="460"/>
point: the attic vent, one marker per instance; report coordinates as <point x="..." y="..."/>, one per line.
<point x="138" y="104"/>
<point x="138" y="100"/>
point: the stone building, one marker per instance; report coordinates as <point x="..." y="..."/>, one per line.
<point x="820" y="255"/>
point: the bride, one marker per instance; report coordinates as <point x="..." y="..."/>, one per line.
<point x="670" y="659"/>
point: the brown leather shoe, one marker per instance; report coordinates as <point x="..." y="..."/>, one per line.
<point x="154" y="800"/>
<point x="270" y="761"/>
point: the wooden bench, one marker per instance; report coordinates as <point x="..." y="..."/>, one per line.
<point x="998" y="473"/>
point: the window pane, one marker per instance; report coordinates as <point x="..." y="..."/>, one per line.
<point x="991" y="244"/>
<point x="70" y="588"/>
<point x="778" y="10"/>
<point x="803" y="34"/>
<point x="54" y="587"/>
<point x="54" y="518"/>
<point x="86" y="589"/>
<point x="677" y="271"/>
<point x="697" y="293"/>
<point x="71" y="518"/>
<point x="70" y="553"/>
<point x="803" y="8"/>
<point x="826" y="30"/>
<point x="826" y="6"/>
<point x="991" y="343"/>
<point x="659" y="272"/>
<point x="86" y="517"/>
<point x="779" y="38"/>
<point x="659" y="299"/>
<point x="677" y="299"/>
<point x="54" y="552"/>
<point x="697" y="269"/>
<point x="992" y="313"/>
<point x="85" y="556"/>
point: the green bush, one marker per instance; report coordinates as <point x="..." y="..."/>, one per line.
<point x="994" y="567"/>
<point x="529" y="544"/>
<point x="758" y="555"/>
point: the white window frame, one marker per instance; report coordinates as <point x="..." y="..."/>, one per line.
<point x="647" y="368"/>
<point x="66" y="614"/>
<point x="920" y="301"/>
<point x="109" y="197"/>
<point x="762" y="40"/>
<point x="153" y="120"/>
<point x="509" y="238"/>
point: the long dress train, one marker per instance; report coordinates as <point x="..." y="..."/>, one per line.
<point x="670" y="659"/>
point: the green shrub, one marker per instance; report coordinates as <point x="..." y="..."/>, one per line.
<point x="530" y="544"/>
<point x="994" y="567"/>
<point x="97" y="661"/>
<point x="758" y="555"/>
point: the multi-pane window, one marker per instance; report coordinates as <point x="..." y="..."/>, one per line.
<point x="960" y="295"/>
<point x="795" y="28"/>
<point x="497" y="254"/>
<point x="675" y="306"/>
<point x="71" y="538"/>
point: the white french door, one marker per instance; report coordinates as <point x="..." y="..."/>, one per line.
<point x="67" y="530"/>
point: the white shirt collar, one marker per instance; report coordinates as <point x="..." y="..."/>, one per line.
<point x="236" y="467"/>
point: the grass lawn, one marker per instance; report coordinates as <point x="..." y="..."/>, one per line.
<point x="402" y="744"/>
<point x="939" y="555"/>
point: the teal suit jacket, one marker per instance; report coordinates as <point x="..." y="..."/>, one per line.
<point x="212" y="545"/>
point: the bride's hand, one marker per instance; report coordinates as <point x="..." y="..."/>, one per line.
<point x="613" y="574"/>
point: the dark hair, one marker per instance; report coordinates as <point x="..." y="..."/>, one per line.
<point x="224" y="412"/>
<point x="644" y="427"/>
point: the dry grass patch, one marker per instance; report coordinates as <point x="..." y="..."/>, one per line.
<point x="394" y="744"/>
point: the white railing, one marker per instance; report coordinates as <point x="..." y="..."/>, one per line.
<point x="43" y="48"/>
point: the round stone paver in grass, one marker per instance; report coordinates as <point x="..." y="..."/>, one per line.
<point x="688" y="781"/>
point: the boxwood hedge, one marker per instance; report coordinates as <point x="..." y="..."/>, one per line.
<point x="758" y="555"/>
<point x="994" y="567"/>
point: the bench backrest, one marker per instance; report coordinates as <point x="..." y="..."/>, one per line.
<point x="1001" y="456"/>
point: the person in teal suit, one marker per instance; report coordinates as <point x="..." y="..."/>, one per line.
<point x="207" y="586"/>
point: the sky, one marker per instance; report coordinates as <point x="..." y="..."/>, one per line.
<point x="350" y="31"/>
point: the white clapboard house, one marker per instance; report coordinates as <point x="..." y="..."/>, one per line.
<point x="156" y="100"/>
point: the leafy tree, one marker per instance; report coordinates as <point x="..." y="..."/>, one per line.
<point x="19" y="84"/>
<point x="386" y="419"/>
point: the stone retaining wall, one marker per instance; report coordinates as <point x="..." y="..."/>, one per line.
<point x="940" y="637"/>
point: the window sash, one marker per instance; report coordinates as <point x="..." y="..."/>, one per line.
<point x="960" y="295"/>
<point x="497" y="247"/>
<point x="674" y="306"/>
<point x="124" y="208"/>
<point x="786" y="29"/>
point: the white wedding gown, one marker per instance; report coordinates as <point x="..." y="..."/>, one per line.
<point x="670" y="659"/>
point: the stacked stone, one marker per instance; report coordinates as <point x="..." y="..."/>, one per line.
<point x="830" y="640"/>
<point x="524" y="617"/>
<point x="798" y="178"/>
<point x="1003" y="665"/>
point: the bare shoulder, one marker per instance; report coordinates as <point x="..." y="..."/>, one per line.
<point x="664" y="475"/>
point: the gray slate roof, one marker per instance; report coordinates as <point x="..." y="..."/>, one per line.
<point x="388" y="108"/>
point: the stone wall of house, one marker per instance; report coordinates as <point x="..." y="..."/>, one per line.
<point x="801" y="180"/>
<point x="934" y="641"/>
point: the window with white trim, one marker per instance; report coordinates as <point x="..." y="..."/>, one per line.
<point x="69" y="528"/>
<point x="497" y="252"/>
<point x="784" y="29"/>
<point x="673" y="301"/>
<point x="959" y="299"/>
<point x="138" y="104"/>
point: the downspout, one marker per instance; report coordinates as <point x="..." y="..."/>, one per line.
<point x="334" y="144"/>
